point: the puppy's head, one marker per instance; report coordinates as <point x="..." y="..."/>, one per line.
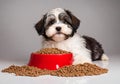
<point x="58" y="25"/>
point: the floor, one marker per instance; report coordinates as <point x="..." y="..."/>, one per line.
<point x="112" y="77"/>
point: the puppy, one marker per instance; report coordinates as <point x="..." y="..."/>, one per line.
<point x="58" y="28"/>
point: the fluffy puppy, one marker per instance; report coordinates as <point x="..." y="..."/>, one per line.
<point x="58" y="28"/>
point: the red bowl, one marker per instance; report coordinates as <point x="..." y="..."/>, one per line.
<point x="50" y="61"/>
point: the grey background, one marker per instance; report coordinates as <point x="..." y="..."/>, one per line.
<point x="99" y="19"/>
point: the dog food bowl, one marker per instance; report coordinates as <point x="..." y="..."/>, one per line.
<point x="50" y="61"/>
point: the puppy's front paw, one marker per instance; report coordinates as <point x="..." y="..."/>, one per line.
<point x="104" y="57"/>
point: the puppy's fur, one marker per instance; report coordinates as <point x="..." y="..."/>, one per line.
<point x="58" y="28"/>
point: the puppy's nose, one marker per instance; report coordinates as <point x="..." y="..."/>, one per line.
<point x="58" y="28"/>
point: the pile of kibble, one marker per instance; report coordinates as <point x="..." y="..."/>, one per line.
<point x="85" y="69"/>
<point x="52" y="51"/>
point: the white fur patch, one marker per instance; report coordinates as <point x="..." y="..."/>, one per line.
<point x="75" y="44"/>
<point x="56" y="11"/>
<point x="58" y="37"/>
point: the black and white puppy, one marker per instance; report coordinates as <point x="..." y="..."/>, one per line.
<point x="58" y="27"/>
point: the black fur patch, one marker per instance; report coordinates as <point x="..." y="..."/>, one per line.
<point x="39" y="26"/>
<point x="75" y="22"/>
<point x="95" y="47"/>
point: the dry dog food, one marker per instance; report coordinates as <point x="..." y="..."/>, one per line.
<point x="52" y="51"/>
<point x="85" y="69"/>
<point x="26" y="71"/>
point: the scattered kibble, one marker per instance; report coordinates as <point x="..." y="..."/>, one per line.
<point x="85" y="69"/>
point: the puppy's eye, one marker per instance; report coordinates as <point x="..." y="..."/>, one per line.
<point x="64" y="21"/>
<point x="51" y="22"/>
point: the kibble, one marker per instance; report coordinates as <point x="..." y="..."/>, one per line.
<point x="52" y="51"/>
<point x="85" y="69"/>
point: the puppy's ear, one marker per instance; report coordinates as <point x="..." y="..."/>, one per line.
<point x="40" y="26"/>
<point x="75" y="20"/>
